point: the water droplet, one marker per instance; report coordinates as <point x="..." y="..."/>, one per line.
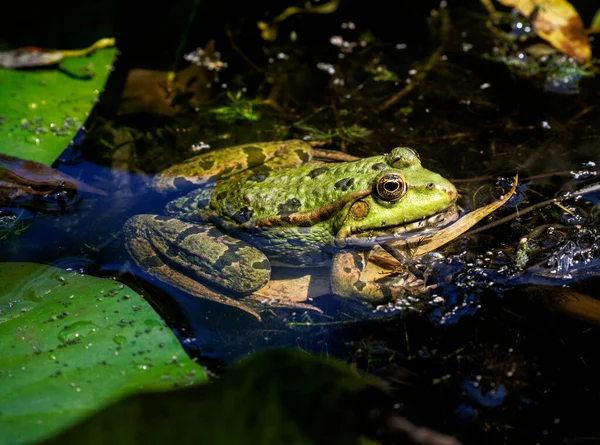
<point x="77" y="331"/>
<point x="154" y="323"/>
<point x="32" y="139"/>
<point x="120" y="339"/>
<point x="30" y="295"/>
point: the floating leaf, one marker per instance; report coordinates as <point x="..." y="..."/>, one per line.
<point x="557" y="22"/>
<point x="73" y="343"/>
<point x="41" y="110"/>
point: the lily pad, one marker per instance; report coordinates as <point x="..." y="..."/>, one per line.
<point x="70" y="344"/>
<point x="41" y="110"/>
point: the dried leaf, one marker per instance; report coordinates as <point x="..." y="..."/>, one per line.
<point x="22" y="181"/>
<point x="31" y="56"/>
<point x="30" y="173"/>
<point x="27" y="57"/>
<point x="557" y="22"/>
<point x="163" y="93"/>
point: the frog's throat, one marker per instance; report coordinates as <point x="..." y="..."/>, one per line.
<point x="307" y="219"/>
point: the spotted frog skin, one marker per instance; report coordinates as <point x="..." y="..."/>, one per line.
<point x="254" y="206"/>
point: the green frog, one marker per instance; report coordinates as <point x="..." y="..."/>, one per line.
<point x="250" y="207"/>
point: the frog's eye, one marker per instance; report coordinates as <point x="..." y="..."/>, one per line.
<point x="391" y="186"/>
<point x="415" y="154"/>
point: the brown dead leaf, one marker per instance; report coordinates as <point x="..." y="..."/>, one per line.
<point x="30" y="173"/>
<point x="160" y="93"/>
<point x="23" y="181"/>
<point x="557" y="22"/>
<point x="146" y="92"/>
<point x="31" y="56"/>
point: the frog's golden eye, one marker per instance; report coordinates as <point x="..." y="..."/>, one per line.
<point x="391" y="186"/>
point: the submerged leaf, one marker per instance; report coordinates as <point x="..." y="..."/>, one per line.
<point x="169" y="93"/>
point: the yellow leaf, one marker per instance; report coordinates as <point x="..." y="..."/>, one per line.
<point x="595" y="25"/>
<point x="525" y="7"/>
<point x="557" y="22"/>
<point x="268" y="31"/>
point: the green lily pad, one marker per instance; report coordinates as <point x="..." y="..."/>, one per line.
<point x="273" y="397"/>
<point x="41" y="110"/>
<point x="70" y="344"/>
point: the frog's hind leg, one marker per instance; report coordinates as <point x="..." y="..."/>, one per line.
<point x="141" y="246"/>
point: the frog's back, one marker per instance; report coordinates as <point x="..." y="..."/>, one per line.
<point x="263" y="193"/>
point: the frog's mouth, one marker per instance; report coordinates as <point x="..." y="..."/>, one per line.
<point x="438" y="230"/>
<point x="421" y="227"/>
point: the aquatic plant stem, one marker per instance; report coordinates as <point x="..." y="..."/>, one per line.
<point x="530" y="209"/>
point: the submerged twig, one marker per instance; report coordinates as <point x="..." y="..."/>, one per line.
<point x="237" y="49"/>
<point x="419" y="77"/>
<point x="426" y="68"/>
<point x="496" y="176"/>
<point x="581" y="113"/>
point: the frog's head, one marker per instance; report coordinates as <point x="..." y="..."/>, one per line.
<point x="402" y="194"/>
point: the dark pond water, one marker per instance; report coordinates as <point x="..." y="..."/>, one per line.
<point x="494" y="360"/>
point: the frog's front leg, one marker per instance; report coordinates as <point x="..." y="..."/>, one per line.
<point x="186" y="255"/>
<point x="352" y="275"/>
